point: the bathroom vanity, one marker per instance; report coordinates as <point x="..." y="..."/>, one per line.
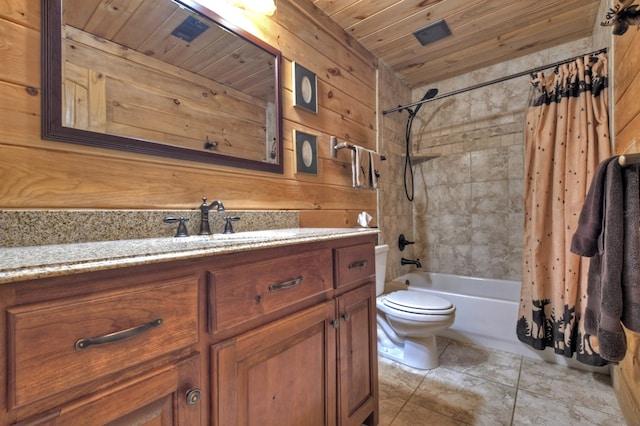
<point x="197" y="331"/>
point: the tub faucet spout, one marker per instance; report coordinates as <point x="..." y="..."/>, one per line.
<point x="416" y="262"/>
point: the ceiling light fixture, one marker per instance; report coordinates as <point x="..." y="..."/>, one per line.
<point x="263" y="7"/>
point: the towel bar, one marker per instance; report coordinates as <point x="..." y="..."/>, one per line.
<point x="335" y="146"/>
<point x="628" y="159"/>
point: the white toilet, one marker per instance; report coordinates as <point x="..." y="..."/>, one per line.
<point x="408" y="321"/>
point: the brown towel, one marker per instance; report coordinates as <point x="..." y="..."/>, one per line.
<point x="631" y="261"/>
<point x="604" y="306"/>
<point x="613" y="286"/>
<point x="585" y="240"/>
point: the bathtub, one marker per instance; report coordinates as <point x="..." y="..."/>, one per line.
<point x="486" y="312"/>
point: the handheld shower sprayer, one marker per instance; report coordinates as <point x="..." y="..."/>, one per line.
<point x="408" y="169"/>
<point x="431" y="93"/>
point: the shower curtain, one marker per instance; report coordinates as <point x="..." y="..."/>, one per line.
<point x="567" y="135"/>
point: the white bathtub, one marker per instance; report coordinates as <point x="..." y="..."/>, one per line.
<point x="486" y="312"/>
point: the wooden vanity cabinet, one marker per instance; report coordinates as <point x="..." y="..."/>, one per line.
<point x="276" y="336"/>
<point x="357" y="357"/>
<point x="317" y="366"/>
<point x="354" y="270"/>
<point x="114" y="347"/>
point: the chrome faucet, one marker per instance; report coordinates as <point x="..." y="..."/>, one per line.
<point x="416" y="262"/>
<point x="204" y="214"/>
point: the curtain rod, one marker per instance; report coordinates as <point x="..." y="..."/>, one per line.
<point x="498" y="80"/>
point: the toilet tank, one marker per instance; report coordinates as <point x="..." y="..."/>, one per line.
<point x="381" y="267"/>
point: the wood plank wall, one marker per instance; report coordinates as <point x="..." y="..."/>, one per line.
<point x="626" y="375"/>
<point x="37" y="174"/>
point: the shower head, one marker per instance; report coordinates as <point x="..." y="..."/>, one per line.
<point x="430" y="94"/>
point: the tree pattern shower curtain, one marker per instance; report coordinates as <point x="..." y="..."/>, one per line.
<point x="567" y="135"/>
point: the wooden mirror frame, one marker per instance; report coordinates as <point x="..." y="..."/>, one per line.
<point x="52" y="114"/>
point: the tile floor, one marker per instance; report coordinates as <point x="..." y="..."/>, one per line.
<point x="478" y="386"/>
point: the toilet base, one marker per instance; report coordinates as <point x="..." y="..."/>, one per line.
<point x="417" y="353"/>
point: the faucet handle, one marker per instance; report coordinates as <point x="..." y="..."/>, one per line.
<point x="403" y="242"/>
<point x="182" y="227"/>
<point x="228" y="228"/>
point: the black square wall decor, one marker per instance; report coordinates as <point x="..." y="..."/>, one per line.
<point x="306" y="146"/>
<point x="305" y="88"/>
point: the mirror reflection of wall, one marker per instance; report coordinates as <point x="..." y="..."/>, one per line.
<point x="154" y="71"/>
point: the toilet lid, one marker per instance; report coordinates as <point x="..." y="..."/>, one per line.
<point x="418" y="302"/>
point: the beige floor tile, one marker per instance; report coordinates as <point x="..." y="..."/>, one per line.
<point x="476" y="386"/>
<point x="488" y="364"/>
<point x="399" y="379"/>
<point x="538" y="410"/>
<point x="396" y="384"/>
<point x="442" y="343"/>
<point x="570" y="386"/>
<point x="465" y="398"/>
<point x="416" y="415"/>
<point x="389" y="410"/>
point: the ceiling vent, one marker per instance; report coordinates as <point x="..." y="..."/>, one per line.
<point x="189" y="29"/>
<point x="432" y="33"/>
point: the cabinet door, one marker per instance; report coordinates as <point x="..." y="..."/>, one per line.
<point x="165" y="396"/>
<point x="144" y="400"/>
<point x="280" y="374"/>
<point x="358" y="363"/>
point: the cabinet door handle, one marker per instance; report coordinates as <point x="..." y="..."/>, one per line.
<point x="346" y="316"/>
<point x="117" y="336"/>
<point x="359" y="264"/>
<point x="286" y="284"/>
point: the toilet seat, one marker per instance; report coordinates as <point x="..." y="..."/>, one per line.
<point x="417" y="302"/>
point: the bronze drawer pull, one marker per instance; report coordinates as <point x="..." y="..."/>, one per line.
<point x="360" y="264"/>
<point x="117" y="336"/>
<point x="286" y="284"/>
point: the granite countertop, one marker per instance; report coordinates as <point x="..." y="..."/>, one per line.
<point x="24" y="263"/>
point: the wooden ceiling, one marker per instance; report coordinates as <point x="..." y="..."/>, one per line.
<point x="484" y="32"/>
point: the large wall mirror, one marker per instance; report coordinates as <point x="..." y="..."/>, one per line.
<point x="160" y="77"/>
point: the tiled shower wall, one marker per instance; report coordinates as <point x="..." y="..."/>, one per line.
<point x="468" y="209"/>
<point x="395" y="213"/>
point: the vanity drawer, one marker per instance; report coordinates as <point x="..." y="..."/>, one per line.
<point x="244" y="293"/>
<point x="56" y="345"/>
<point x="354" y="263"/>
